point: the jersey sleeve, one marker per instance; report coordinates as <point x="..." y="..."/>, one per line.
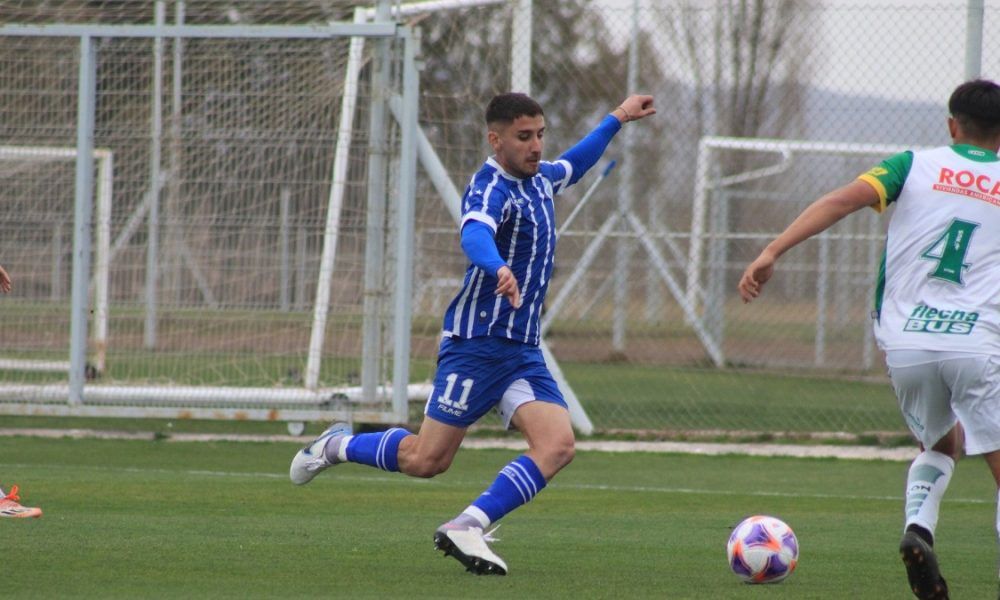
<point x="584" y="154"/>
<point x="479" y="246"/>
<point x="559" y="173"/>
<point x="888" y="178"/>
<point x="483" y="202"/>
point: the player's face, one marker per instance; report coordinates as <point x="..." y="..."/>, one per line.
<point x="518" y="145"/>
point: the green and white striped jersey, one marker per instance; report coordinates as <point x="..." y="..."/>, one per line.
<point x="939" y="283"/>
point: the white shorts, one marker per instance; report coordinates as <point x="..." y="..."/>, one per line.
<point x="934" y="395"/>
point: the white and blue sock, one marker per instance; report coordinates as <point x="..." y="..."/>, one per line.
<point x="379" y="450"/>
<point x="516" y="484"/>
<point x="926" y="483"/>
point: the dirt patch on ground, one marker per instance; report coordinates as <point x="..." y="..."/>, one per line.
<point x="705" y="448"/>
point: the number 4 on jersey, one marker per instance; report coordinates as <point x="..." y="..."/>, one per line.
<point x="949" y="251"/>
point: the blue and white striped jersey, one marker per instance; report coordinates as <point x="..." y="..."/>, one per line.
<point x="522" y="216"/>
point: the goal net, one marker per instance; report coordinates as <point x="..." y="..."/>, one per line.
<point x="817" y="314"/>
<point x="237" y="220"/>
<point x="38" y="189"/>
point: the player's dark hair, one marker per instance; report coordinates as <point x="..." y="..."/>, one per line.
<point x="505" y="108"/>
<point x="976" y="106"/>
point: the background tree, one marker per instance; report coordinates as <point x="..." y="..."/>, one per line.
<point x="578" y="74"/>
<point x="745" y="60"/>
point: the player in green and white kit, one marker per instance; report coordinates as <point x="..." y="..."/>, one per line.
<point x="937" y="304"/>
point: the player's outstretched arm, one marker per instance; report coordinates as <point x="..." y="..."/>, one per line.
<point x="585" y="153"/>
<point x="633" y="108"/>
<point x="817" y="217"/>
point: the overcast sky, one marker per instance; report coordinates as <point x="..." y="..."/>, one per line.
<point x="899" y="49"/>
<point x="908" y="49"/>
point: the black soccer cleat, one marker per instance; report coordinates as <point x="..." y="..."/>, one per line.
<point x="922" y="568"/>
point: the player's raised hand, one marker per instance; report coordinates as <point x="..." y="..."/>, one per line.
<point x="507" y="286"/>
<point x="635" y="107"/>
<point x="755" y="276"/>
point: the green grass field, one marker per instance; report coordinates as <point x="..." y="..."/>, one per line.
<point x="129" y="519"/>
<point x="639" y="396"/>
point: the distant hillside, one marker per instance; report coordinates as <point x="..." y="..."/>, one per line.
<point x="837" y="117"/>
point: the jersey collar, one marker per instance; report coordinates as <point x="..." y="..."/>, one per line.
<point x="492" y="161"/>
<point x="975" y="153"/>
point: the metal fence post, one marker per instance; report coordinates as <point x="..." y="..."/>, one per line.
<point x="83" y="212"/>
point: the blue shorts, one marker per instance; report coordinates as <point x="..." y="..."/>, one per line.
<point x="477" y="374"/>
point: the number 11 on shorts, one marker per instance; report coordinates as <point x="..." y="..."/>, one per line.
<point x="463" y="402"/>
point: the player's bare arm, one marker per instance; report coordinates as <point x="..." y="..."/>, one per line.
<point x="816" y="218"/>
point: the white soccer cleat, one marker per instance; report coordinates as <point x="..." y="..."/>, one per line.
<point x="468" y="546"/>
<point x="311" y="460"/>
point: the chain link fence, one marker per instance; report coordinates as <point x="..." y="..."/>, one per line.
<point x="651" y="332"/>
<point x="642" y="314"/>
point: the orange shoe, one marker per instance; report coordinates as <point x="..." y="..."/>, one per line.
<point x="9" y="507"/>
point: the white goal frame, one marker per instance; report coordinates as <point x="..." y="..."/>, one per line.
<point x="703" y="298"/>
<point x="185" y="401"/>
<point x="104" y="192"/>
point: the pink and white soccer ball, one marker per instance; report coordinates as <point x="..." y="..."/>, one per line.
<point x="762" y="549"/>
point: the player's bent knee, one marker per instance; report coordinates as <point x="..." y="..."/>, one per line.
<point x="560" y="453"/>
<point x="567" y="453"/>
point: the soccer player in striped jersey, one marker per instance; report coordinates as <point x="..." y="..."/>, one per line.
<point x="489" y="355"/>
<point x="937" y="306"/>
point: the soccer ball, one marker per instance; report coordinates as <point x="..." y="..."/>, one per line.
<point x="762" y="549"/>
